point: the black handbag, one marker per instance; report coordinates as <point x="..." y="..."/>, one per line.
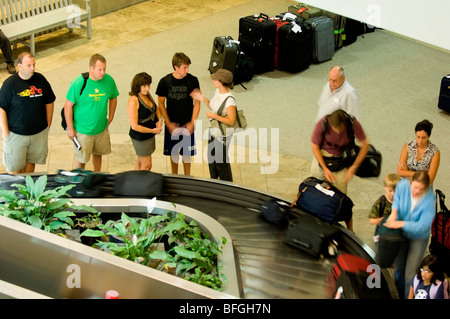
<point x="371" y="166"/>
<point x="346" y="159"/>
<point x="138" y="183"/>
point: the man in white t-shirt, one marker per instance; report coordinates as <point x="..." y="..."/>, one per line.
<point x="338" y="94"/>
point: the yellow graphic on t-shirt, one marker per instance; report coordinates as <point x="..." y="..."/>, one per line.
<point x="31" y="92"/>
<point x="97" y="96"/>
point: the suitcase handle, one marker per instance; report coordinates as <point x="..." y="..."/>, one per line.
<point x="301" y="243"/>
<point x="264" y="16"/>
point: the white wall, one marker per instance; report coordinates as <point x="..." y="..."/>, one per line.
<point x="426" y="21"/>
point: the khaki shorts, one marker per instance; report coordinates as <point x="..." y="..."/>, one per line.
<point x="18" y="150"/>
<point x="99" y="144"/>
<point x="339" y="176"/>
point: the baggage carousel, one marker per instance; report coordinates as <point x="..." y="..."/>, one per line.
<point x="266" y="267"/>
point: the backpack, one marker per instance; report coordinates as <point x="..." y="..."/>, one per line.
<point x="245" y="69"/>
<point x="380" y="214"/>
<point x="434" y="287"/>
<point x="63" y="117"/>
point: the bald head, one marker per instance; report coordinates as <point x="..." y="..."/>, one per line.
<point x="336" y="77"/>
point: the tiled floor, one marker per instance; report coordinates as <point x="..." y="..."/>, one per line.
<point x="60" y="47"/>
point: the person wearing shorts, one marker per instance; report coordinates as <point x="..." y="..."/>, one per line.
<point x="180" y="112"/>
<point x="89" y="114"/>
<point x="26" y="112"/>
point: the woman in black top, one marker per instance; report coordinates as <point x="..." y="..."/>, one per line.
<point x="145" y="120"/>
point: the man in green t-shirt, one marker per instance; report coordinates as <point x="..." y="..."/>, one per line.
<point x="89" y="114"/>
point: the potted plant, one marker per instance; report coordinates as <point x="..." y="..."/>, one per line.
<point x="33" y="204"/>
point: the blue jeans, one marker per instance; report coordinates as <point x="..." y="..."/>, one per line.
<point x="406" y="269"/>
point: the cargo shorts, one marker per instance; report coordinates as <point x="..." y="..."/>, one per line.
<point x="18" y="150"/>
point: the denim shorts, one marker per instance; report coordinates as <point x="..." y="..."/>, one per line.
<point x="179" y="143"/>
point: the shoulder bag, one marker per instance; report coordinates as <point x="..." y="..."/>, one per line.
<point x="219" y="129"/>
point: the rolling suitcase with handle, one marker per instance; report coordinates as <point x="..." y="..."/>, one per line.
<point x="339" y="28"/>
<point x="323" y="37"/>
<point x="257" y="40"/>
<point x="224" y="54"/>
<point x="444" y="94"/>
<point x="312" y="235"/>
<point x="294" y="43"/>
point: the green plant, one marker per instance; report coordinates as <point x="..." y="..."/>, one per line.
<point x="192" y="254"/>
<point x="89" y="221"/>
<point x="197" y="259"/>
<point x="50" y="210"/>
<point x="138" y="237"/>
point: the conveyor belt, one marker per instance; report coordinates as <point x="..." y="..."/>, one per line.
<point x="268" y="267"/>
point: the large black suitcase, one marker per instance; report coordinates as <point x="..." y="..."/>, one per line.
<point x="444" y="94"/>
<point x="224" y="54"/>
<point x="257" y="40"/>
<point x="294" y="44"/>
<point x="352" y="31"/>
<point x="312" y="235"/>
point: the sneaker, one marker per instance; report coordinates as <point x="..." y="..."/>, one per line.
<point x="11" y="68"/>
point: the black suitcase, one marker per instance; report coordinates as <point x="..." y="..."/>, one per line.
<point x="444" y="94"/>
<point x="257" y="40"/>
<point x="312" y="235"/>
<point x="352" y="31"/>
<point x="224" y="54"/>
<point x="294" y="44"/>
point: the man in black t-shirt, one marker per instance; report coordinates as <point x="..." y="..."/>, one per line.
<point x="26" y="111"/>
<point x="179" y="111"/>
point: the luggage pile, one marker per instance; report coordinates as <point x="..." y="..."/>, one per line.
<point x="290" y="41"/>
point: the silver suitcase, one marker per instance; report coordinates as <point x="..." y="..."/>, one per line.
<point x="323" y="30"/>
